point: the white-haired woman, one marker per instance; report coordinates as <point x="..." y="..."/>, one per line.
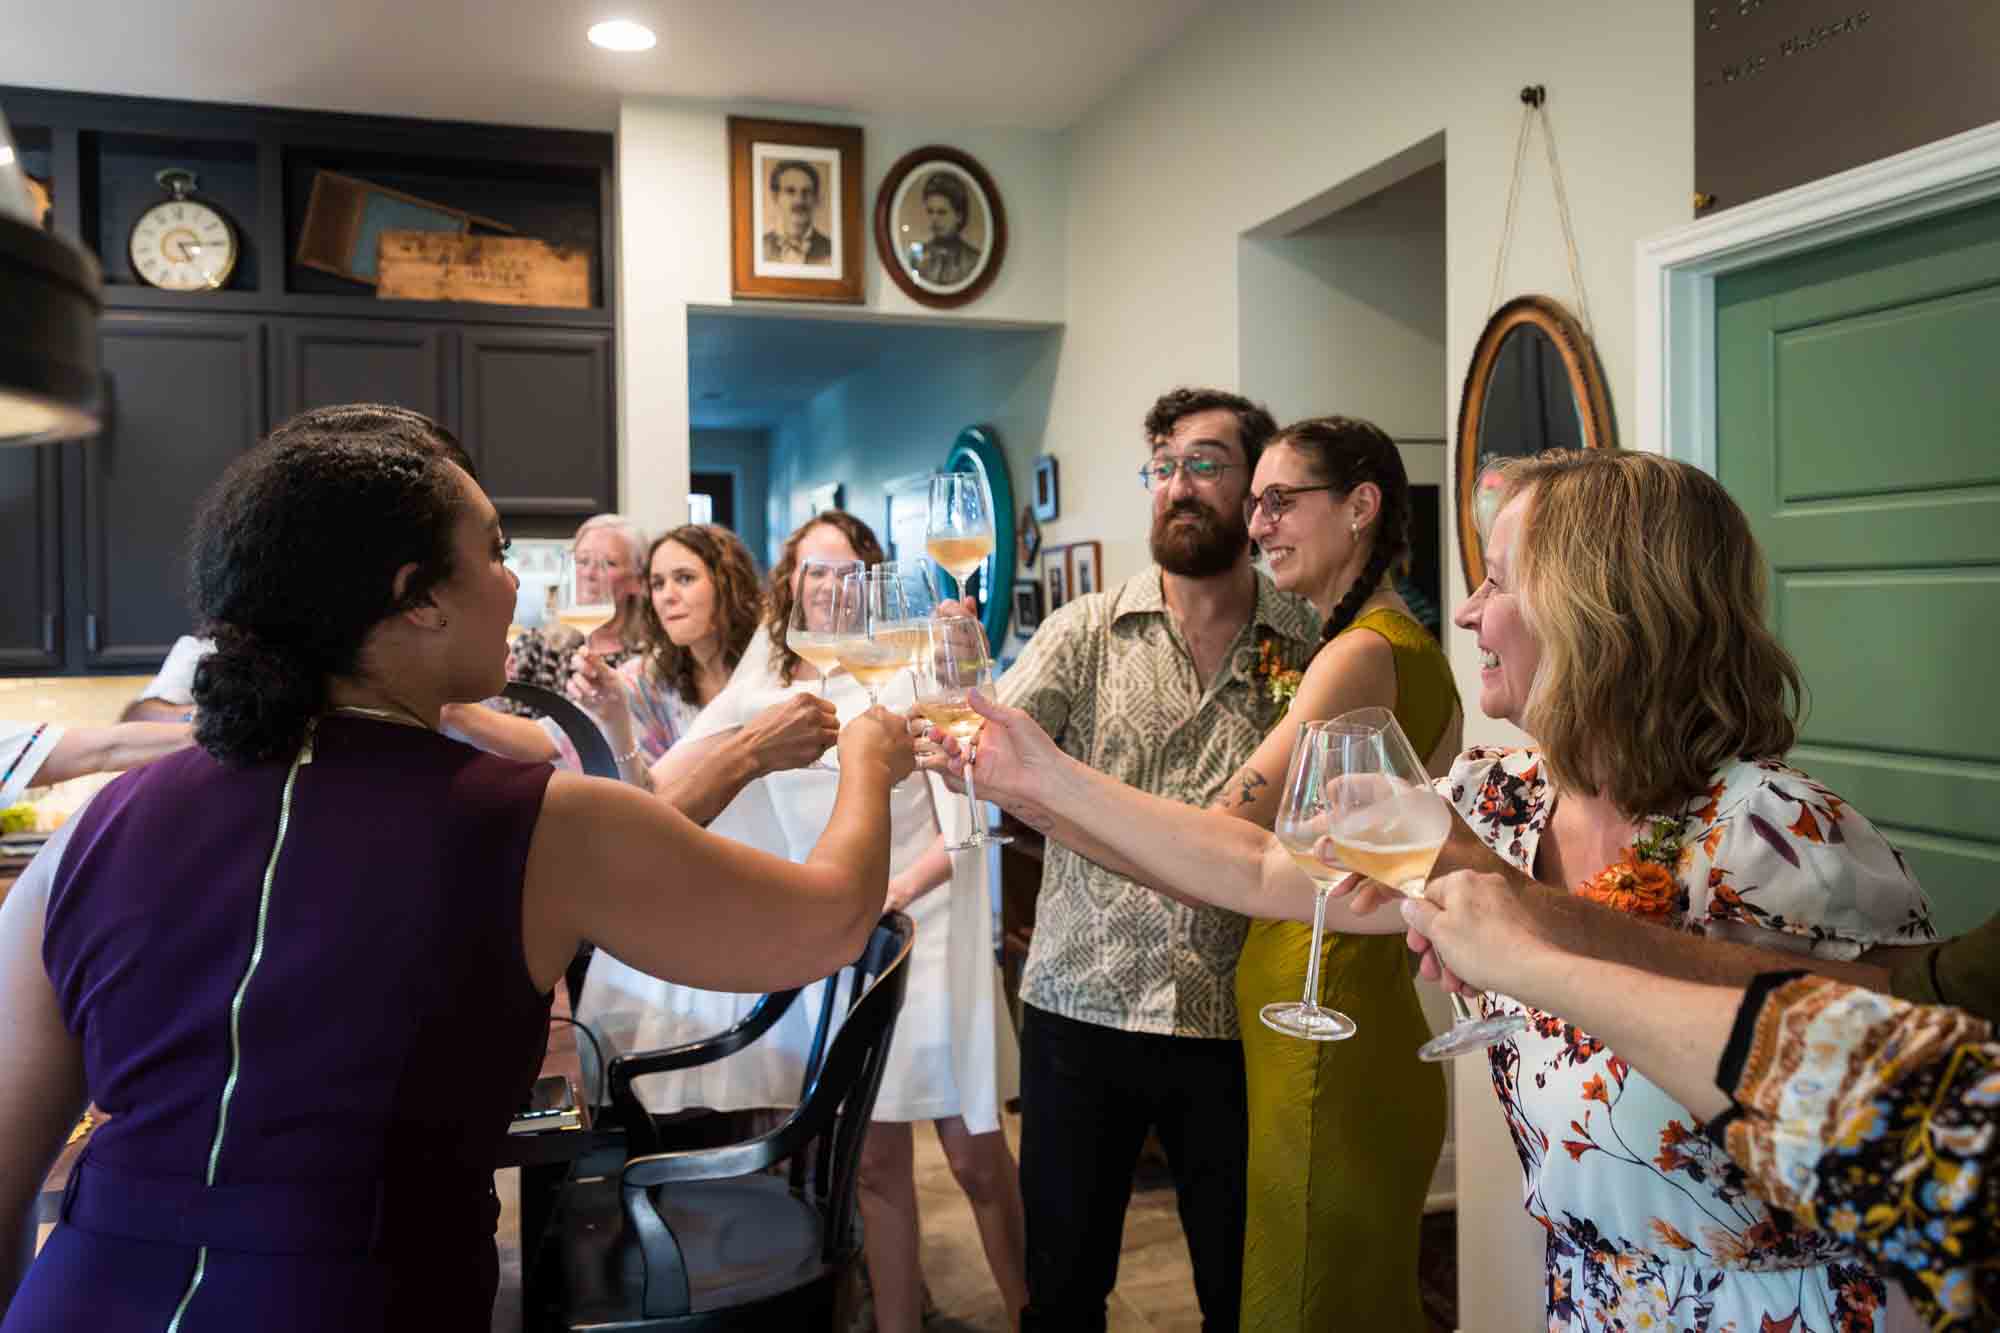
<point x="610" y="557"/>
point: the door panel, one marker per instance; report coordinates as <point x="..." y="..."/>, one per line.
<point x="185" y="395"/>
<point x="1856" y="411"/>
<point x="538" y="420"/>
<point x="327" y="361"/>
<point x="31" y="629"/>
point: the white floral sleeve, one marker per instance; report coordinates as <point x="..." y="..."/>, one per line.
<point x="1777" y="860"/>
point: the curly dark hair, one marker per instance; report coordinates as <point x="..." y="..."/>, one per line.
<point x="1345" y="452"/>
<point x="738" y="603"/>
<point x="294" y="561"/>
<point x="1254" y="424"/>
<point x="385" y="419"/>
<point x="778" y="590"/>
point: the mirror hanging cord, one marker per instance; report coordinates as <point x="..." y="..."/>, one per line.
<point x="1534" y="106"/>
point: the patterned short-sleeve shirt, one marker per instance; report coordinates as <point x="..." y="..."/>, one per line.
<point x="1110" y="678"/>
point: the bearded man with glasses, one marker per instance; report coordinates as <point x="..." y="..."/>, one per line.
<point x="1129" y="1009"/>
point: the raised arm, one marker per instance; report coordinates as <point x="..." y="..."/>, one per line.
<point x="630" y="873"/>
<point x="701" y="776"/>
<point x="1197" y="855"/>
<point x="112" y="749"/>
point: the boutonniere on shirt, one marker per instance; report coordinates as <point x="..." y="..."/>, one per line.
<point x="1643" y="882"/>
<point x="1280" y="682"/>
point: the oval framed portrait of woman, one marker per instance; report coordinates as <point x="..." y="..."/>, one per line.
<point x="940" y="228"/>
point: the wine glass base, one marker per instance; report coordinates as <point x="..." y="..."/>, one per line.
<point x="1470" y="1038"/>
<point x="1297" y="1019"/>
<point x="980" y="840"/>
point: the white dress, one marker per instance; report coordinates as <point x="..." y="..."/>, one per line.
<point x="953" y="1052"/>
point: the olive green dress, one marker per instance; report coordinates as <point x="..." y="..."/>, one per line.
<point x="1344" y="1135"/>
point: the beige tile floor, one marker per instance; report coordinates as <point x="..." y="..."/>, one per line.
<point x="1155" y="1287"/>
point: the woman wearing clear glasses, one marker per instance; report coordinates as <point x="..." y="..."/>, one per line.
<point x="1343" y="1137"/>
<point x="610" y="558"/>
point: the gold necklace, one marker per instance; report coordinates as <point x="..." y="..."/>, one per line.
<point x="402" y="719"/>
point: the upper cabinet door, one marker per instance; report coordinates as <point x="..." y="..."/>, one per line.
<point x="538" y="420"/>
<point x="184" y="395"/>
<point x="322" y="362"/>
<point x="31" y="629"/>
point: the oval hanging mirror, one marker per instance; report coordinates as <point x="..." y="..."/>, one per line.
<point x="1534" y="384"/>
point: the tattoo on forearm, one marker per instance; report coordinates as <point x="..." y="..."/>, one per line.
<point x="1248" y="783"/>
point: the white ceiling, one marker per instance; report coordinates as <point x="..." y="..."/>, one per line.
<point x="1031" y="63"/>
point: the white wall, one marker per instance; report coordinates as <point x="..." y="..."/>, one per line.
<point x="1261" y="109"/>
<point x="1347" y="314"/>
<point x="673" y="240"/>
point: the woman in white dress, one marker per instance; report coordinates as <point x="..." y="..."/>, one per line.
<point x="952" y="1061"/>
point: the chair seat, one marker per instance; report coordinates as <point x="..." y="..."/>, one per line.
<point x="745" y="1241"/>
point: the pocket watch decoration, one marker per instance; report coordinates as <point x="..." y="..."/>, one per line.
<point x="183" y="244"/>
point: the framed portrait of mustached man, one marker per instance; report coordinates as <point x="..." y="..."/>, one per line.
<point x="795" y="211"/>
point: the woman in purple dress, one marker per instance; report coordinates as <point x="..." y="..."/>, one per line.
<point x="306" y="967"/>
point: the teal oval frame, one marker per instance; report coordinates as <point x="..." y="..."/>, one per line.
<point x="975" y="450"/>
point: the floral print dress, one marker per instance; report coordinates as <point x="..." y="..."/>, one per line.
<point x="1880" y="1121"/>
<point x="1650" y="1225"/>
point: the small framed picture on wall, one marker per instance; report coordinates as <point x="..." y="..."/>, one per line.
<point x="1027" y="608"/>
<point x="1084" y="559"/>
<point x="1055" y="578"/>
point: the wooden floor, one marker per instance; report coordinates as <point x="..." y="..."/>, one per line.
<point x="1155" y="1289"/>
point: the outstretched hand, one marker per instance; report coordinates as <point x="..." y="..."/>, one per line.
<point x="1012" y="758"/>
<point x="1476" y="931"/>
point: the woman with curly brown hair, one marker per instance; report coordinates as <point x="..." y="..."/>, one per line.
<point x="702" y="604"/>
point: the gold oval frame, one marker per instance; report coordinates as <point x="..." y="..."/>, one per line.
<point x="1586" y="383"/>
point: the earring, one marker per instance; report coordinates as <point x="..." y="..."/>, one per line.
<point x="444" y="622"/>
<point x="1354" y="528"/>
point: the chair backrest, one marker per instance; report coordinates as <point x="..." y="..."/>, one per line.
<point x="641" y="1131"/>
<point x="592" y="750"/>
<point x="822" y="1137"/>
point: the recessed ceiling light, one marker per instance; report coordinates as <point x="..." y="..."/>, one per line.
<point x="622" y="35"/>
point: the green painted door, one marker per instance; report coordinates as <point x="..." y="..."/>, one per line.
<point x="1858" y="410"/>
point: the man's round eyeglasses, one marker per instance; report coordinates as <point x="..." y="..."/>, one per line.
<point x="1160" y="472"/>
<point x="1275" y="500"/>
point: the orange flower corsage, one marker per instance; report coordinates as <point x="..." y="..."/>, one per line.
<point x="1642" y="882"/>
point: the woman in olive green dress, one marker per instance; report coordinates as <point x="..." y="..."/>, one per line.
<point x="1344" y="1136"/>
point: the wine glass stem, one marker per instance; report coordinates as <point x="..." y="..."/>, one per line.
<point x="1312" y="959"/>
<point x="972" y="795"/>
<point x="1459" y="1007"/>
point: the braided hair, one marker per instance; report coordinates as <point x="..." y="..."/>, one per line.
<point x="1345" y="452"/>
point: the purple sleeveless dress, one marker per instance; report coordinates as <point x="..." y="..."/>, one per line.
<point x="308" y="1079"/>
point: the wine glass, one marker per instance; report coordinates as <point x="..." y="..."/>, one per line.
<point x="1385" y="821"/>
<point x="956" y="664"/>
<point x="811" y="631"/>
<point x="875" y="635"/>
<point x="960" y="534"/>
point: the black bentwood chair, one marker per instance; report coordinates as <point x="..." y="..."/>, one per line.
<point x="707" y="1239"/>
<point x="595" y="754"/>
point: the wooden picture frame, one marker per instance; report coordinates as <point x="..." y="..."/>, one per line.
<point x="795" y="211"/>
<point x="1048" y="497"/>
<point x="1511" y="348"/>
<point x="1027" y="607"/>
<point x="1031" y="536"/>
<point x="948" y="255"/>
<point x="1086" y="567"/>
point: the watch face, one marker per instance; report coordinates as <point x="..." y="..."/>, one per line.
<point x="183" y="246"/>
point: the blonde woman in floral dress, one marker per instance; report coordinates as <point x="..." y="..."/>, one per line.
<point x="1621" y="625"/>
